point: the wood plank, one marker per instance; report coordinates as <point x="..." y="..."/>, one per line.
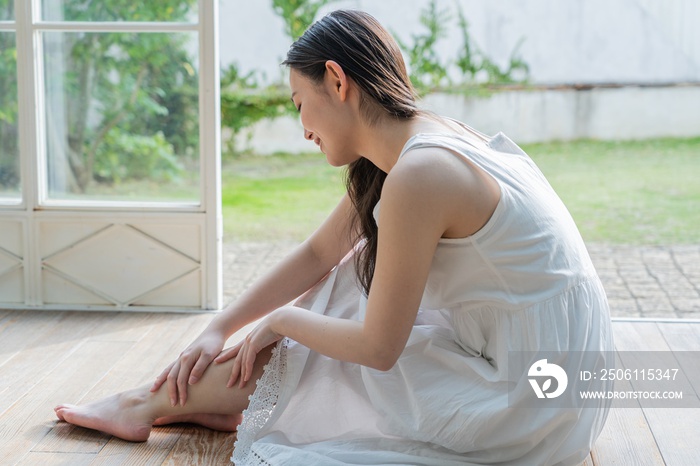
<point x="56" y="459"/>
<point x="202" y="446"/>
<point x="62" y="337"/>
<point x="32" y="416"/>
<point x="684" y="340"/>
<point x="28" y="372"/>
<point x="669" y="426"/>
<point x="681" y="336"/>
<point x="163" y="439"/>
<point x="676" y="432"/>
<point x="128" y="371"/>
<point x="676" y="429"/>
<point x="41" y="351"/>
<point x="114" y="328"/>
<point x="170" y="335"/>
<point x="139" y="366"/>
<point x="76" y="355"/>
<point x="626" y="438"/>
<point x="643" y="346"/>
<point x="638" y="336"/>
<point x="151" y="453"/>
<point x="18" y="329"/>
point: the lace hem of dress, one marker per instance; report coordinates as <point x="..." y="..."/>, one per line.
<point x="262" y="403"/>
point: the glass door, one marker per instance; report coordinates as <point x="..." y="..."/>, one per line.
<point x="109" y="155"/>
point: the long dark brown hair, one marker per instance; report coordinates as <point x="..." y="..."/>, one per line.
<point x="371" y="57"/>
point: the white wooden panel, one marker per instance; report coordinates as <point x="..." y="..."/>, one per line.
<point x="58" y="290"/>
<point x="12" y="261"/>
<point x="176" y="294"/>
<point x="11" y="238"/>
<point x="8" y="262"/>
<point x="58" y="235"/>
<point x="119" y="263"/>
<point x="184" y="238"/>
<point x="12" y="286"/>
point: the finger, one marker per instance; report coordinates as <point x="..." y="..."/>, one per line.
<point x="172" y="383"/>
<point x="225" y="355"/>
<point x="199" y="368"/>
<point x="239" y="360"/>
<point x="187" y="361"/>
<point x="228" y="353"/>
<point x="244" y="365"/>
<point x="160" y="380"/>
<point x="250" y="361"/>
<point x="235" y="371"/>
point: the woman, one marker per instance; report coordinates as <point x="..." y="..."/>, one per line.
<point x="397" y="350"/>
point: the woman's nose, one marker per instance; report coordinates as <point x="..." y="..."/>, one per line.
<point x="308" y="135"/>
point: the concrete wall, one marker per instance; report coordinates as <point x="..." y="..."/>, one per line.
<point x="566" y="114"/>
<point x="566" y="41"/>
<point x="537" y="115"/>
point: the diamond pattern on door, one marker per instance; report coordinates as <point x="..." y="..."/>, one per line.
<point x="177" y="293"/>
<point x="120" y="264"/>
<point x="56" y="236"/>
<point x="58" y="290"/>
<point x="11" y="262"/>
<point x="8" y="261"/>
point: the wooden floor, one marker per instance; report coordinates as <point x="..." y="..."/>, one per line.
<point x="52" y="357"/>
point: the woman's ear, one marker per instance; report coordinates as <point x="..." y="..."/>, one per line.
<point x="337" y="79"/>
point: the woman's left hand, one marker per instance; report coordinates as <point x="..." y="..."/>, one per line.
<point x="246" y="351"/>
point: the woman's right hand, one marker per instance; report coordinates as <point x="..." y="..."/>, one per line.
<point x="190" y="366"/>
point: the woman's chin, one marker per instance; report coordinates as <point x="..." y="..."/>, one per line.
<point x="334" y="163"/>
<point x="341" y="161"/>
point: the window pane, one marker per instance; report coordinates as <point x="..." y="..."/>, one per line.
<point x="9" y="141"/>
<point x="122" y="116"/>
<point x="7" y="9"/>
<point x="119" y="10"/>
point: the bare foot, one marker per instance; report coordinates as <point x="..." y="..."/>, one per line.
<point x="220" y="422"/>
<point x="122" y="415"/>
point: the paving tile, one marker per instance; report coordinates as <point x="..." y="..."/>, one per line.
<point x="646" y="281"/>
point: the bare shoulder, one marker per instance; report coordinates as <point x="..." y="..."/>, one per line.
<point x="428" y="167"/>
<point x="445" y="187"/>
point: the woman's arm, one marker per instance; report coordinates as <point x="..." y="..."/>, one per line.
<point x="414" y="215"/>
<point x="426" y="196"/>
<point x="294" y="275"/>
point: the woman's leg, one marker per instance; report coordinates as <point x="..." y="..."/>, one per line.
<point x="130" y="415"/>
<point x="220" y="422"/>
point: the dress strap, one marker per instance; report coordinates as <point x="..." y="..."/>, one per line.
<point x="484" y="138"/>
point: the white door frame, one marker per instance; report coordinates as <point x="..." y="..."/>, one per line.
<point x="176" y="264"/>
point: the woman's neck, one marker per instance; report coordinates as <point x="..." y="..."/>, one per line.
<point x="382" y="143"/>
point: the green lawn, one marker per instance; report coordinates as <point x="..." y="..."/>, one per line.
<point x="636" y="192"/>
<point x="278" y="197"/>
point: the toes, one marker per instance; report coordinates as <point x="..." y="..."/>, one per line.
<point x="62" y="410"/>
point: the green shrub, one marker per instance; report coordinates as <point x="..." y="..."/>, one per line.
<point x="125" y="156"/>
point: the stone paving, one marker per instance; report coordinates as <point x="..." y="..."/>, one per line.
<point x="647" y="281"/>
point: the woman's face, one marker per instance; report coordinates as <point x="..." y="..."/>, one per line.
<point x="323" y="116"/>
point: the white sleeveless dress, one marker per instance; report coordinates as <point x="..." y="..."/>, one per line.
<point x="523" y="283"/>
